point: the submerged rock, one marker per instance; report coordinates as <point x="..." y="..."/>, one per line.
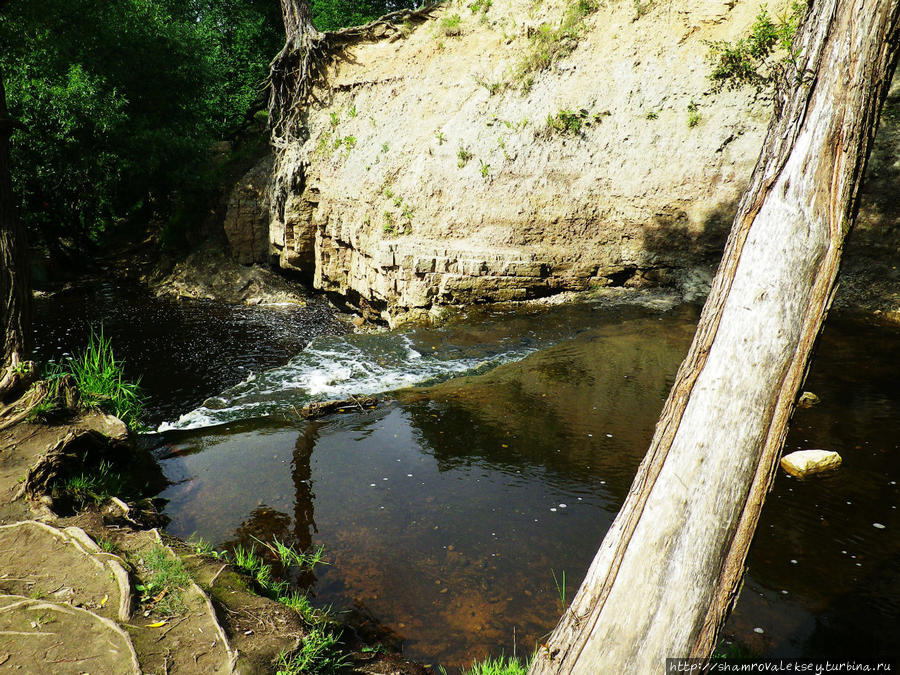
<point x="808" y="462"/>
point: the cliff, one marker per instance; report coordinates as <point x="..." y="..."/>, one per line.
<point x="449" y="166"/>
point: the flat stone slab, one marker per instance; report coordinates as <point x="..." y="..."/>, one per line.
<point x="37" y="636"/>
<point x="808" y="462"/>
<point x="44" y="562"/>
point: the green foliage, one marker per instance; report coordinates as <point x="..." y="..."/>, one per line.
<point x="121" y="100"/>
<point x="463" y="155"/>
<point x="550" y="43"/>
<point x="450" y="25"/>
<point x="758" y="58"/>
<point x="560" y="589"/>
<point x="102" y="384"/>
<point x="319" y="654"/>
<point x="480" y="6"/>
<point x="484" y="169"/>
<point x="652" y="115"/>
<point x="572" y="121"/>
<point x="693" y="114"/>
<point x="94" y="487"/>
<point x="500" y="666"/>
<point x="167" y="577"/>
<point x="565" y="121"/>
<point x="335" y="14"/>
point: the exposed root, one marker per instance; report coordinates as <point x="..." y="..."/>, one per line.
<point x="52" y="465"/>
<point x="303" y="61"/>
<point x="17" y="376"/>
<point x="14" y="413"/>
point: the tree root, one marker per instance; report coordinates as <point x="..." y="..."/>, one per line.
<point x="303" y="61"/>
<point x="12" y="414"/>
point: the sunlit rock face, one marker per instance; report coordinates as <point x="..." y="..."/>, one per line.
<point x="429" y="173"/>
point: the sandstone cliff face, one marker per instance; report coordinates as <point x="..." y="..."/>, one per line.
<point x="430" y="177"/>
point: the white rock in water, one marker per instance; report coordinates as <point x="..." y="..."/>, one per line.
<point x="807" y="462"/>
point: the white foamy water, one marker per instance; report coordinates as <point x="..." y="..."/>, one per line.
<point x="335" y="367"/>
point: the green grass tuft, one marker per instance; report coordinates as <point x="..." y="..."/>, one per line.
<point x="318" y="655"/>
<point x="102" y="384"/>
<point x="500" y="666"/>
<point x="166" y="578"/>
<point x="94" y="487"/>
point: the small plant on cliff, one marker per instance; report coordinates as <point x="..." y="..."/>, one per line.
<point x="463" y="155"/>
<point x="102" y="384"/>
<point x="549" y="43"/>
<point x="485" y="169"/>
<point x="761" y="57"/>
<point x="439" y="135"/>
<point x="693" y="114"/>
<point x="450" y="25"/>
<point x="565" y="121"/>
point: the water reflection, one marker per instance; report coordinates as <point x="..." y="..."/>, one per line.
<point x="446" y="513"/>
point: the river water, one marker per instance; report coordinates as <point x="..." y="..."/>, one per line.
<point x="451" y="513"/>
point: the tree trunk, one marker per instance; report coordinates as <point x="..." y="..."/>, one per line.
<point x="670" y="567"/>
<point x="293" y="71"/>
<point x="15" y="285"/>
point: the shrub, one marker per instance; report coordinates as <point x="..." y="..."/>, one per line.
<point x="759" y="58"/>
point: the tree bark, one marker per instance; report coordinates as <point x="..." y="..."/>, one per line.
<point x="15" y="283"/>
<point x="670" y="567"/>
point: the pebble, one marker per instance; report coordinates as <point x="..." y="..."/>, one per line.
<point x="878" y="526"/>
<point x="553" y="509"/>
<point x="758" y="630"/>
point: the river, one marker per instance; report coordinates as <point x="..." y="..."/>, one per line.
<point x="452" y="512"/>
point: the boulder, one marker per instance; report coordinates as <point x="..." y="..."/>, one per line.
<point x="808" y="462"/>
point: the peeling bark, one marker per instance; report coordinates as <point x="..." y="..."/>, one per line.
<point x="670" y="567"/>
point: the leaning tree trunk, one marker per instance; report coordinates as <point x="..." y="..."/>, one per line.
<point x="671" y="565"/>
<point x="15" y="286"/>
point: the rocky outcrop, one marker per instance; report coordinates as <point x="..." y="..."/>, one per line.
<point x="437" y="169"/>
<point x="247" y="215"/>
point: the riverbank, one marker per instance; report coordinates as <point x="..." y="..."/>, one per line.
<point x="77" y="560"/>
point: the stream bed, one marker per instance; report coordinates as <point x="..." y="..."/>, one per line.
<point x="451" y="514"/>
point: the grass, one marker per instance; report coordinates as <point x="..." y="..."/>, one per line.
<point x="319" y="654"/>
<point x="102" y="384"/>
<point x="560" y="589"/>
<point x="166" y="580"/>
<point x="94" y="487"/>
<point x="550" y="43"/>
<point x="502" y="665"/>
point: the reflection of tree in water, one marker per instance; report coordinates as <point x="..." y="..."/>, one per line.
<point x="265" y="524"/>
<point x="301" y="471"/>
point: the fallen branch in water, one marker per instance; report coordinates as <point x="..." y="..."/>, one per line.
<point x="322" y="408"/>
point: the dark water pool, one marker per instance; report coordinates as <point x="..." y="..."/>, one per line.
<point x="451" y="514"/>
<point x="183" y="351"/>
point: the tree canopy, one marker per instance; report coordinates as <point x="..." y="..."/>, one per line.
<point x="334" y="14"/>
<point x="121" y="99"/>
